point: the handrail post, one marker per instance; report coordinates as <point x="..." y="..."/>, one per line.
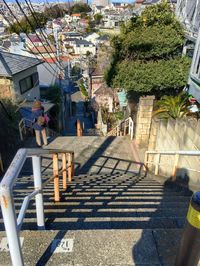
<point x="20" y="131"/>
<point x="64" y="171"/>
<point x="124" y="128"/>
<point x="1" y="164"/>
<point x="73" y="166"/>
<point x="10" y="222"/>
<point x="189" y="250"/>
<point x="117" y="131"/>
<point x="175" y="167"/>
<point x="79" y="128"/>
<point x="56" y="178"/>
<point x="69" y="167"/>
<point x="36" y="161"/>
<point x="132" y="125"/>
<point x="146" y="161"/>
<point x="157" y="164"/>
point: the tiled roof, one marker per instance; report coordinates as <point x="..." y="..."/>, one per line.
<point x="83" y="42"/>
<point x="76" y="15"/>
<point x="43" y="49"/>
<point x="35" y="38"/>
<point x="53" y="60"/>
<point x="11" y="64"/>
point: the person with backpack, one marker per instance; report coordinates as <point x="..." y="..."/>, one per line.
<point x="39" y="123"/>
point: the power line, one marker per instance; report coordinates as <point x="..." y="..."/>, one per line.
<point x="34" y="55"/>
<point x="32" y="12"/>
<point x="32" y="28"/>
<point x="26" y="34"/>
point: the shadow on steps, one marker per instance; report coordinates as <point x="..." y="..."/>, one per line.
<point x="161" y="246"/>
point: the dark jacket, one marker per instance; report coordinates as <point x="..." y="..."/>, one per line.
<point x="35" y="114"/>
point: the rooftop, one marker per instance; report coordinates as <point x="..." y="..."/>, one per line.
<point x="83" y="42"/>
<point x="43" y="49"/>
<point x="11" y="64"/>
<point x="35" y="38"/>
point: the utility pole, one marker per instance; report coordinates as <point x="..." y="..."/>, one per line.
<point x="68" y="77"/>
<point x="61" y="77"/>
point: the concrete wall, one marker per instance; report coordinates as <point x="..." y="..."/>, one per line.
<point x="179" y="134"/>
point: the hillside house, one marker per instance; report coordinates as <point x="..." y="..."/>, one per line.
<point x="76" y="17"/>
<point x="82" y="47"/>
<point x="93" y="37"/>
<point x="106" y="97"/>
<point x="57" y="25"/>
<point x="34" y="40"/>
<point x="44" y="51"/>
<point x="18" y="77"/>
<point x="75" y="35"/>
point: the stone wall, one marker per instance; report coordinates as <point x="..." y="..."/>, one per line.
<point x="5" y="88"/>
<point x="143" y="121"/>
<point x="172" y="135"/>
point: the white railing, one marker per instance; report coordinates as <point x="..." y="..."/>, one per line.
<point x="11" y="221"/>
<point x="121" y="130"/>
<point x="131" y="127"/>
<point x="23" y="127"/>
<point x="176" y="155"/>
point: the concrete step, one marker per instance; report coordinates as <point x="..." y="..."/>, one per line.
<point x="98" y="247"/>
<point x="120" y="201"/>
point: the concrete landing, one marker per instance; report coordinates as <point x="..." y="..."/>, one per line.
<point x="100" y="248"/>
<point x="96" y="154"/>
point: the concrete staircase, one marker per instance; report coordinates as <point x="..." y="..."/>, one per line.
<point x="114" y="214"/>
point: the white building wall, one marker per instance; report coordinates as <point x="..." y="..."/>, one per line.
<point x="31" y="94"/>
<point x="83" y="50"/>
<point x="101" y="2"/>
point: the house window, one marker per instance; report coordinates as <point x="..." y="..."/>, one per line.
<point x="28" y="83"/>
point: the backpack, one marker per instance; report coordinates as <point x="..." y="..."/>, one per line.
<point x="41" y="121"/>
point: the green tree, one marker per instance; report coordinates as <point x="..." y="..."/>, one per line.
<point x="147" y="53"/>
<point x="36" y="21"/>
<point x="91" y="26"/>
<point x="82" y="88"/>
<point x="80" y="8"/>
<point x="97" y="18"/>
<point x="9" y="133"/>
<point x="159" y="77"/>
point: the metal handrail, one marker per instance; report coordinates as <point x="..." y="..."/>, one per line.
<point x="22" y="126"/>
<point x="12" y="223"/>
<point x="176" y="159"/>
<point x="174" y="152"/>
<point x="116" y="130"/>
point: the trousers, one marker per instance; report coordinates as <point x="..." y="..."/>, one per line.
<point x="38" y="134"/>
